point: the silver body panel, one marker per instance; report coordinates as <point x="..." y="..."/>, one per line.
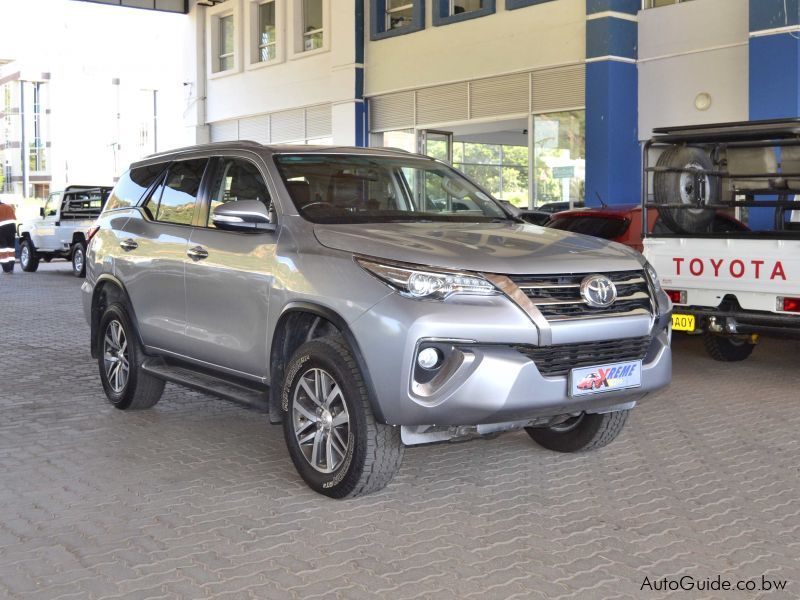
<point x="220" y="312"/>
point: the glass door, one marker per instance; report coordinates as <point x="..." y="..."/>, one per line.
<point x="438" y="144"/>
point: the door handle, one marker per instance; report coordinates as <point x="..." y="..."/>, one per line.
<point x="197" y="253"/>
<point x="128" y="245"/>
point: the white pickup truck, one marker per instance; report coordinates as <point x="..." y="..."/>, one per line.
<point x="730" y="287"/>
<point x="61" y="231"/>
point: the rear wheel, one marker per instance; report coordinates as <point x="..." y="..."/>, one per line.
<point x="580" y="433"/>
<point x="727" y="349"/>
<point x="28" y="259"/>
<point x="126" y="385"/>
<point x="79" y="259"/>
<point x="335" y="443"/>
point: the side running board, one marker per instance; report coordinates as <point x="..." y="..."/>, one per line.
<point x="210" y="384"/>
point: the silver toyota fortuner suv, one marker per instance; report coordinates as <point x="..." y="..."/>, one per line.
<point x="368" y="300"/>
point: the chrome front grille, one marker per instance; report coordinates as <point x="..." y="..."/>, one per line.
<point x="558" y="297"/>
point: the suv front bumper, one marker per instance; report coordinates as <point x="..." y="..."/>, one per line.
<point x="497" y="384"/>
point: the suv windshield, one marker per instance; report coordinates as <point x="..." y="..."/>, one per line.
<point x="337" y="188"/>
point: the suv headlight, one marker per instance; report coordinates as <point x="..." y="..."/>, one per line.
<point x="424" y="284"/>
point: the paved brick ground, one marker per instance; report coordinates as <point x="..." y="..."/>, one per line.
<point x="197" y="498"/>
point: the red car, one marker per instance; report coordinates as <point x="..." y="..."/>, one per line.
<point x="591" y="382"/>
<point x="623" y="223"/>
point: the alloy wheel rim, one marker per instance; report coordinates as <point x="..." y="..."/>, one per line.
<point x="78" y="260"/>
<point x="687" y="181"/>
<point x="320" y="420"/>
<point x="115" y="356"/>
<point x="24" y="255"/>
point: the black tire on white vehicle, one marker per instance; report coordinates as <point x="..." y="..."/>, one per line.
<point x="581" y="433"/>
<point x="336" y="444"/>
<point x="678" y="188"/>
<point x="28" y="258"/>
<point x="79" y="259"/>
<point x="726" y="348"/>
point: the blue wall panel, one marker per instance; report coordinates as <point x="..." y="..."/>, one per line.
<point x="613" y="157"/>
<point x="771" y="14"/>
<point x="610" y="36"/>
<point x="626" y="6"/>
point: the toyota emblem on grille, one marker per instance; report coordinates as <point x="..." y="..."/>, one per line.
<point x="598" y="291"/>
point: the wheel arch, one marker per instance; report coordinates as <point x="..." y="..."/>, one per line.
<point x="107" y="290"/>
<point x="298" y="323"/>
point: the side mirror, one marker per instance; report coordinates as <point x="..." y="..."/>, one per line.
<point x="41" y="211"/>
<point x="244" y="215"/>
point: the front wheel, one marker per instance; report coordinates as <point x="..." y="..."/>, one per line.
<point x="335" y="443"/>
<point x="79" y="259"/>
<point x="126" y="384"/>
<point x="580" y="433"/>
<point x="28" y="259"/>
<point x="727" y="349"/>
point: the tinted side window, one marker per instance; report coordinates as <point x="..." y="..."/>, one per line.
<point x="173" y="201"/>
<point x="132" y="185"/>
<point x="237" y="179"/>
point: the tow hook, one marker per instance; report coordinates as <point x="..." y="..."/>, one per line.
<point x="754" y="338"/>
<point x="713" y="325"/>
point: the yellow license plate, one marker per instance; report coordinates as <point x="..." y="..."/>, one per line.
<point x="682" y="322"/>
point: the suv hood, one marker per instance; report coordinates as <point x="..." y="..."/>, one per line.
<point x="508" y="248"/>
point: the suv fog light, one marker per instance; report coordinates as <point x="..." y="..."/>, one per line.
<point x="429" y="358"/>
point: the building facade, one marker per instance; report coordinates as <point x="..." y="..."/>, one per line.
<point x="539" y="100"/>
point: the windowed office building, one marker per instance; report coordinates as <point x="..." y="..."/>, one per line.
<point x="538" y="100"/>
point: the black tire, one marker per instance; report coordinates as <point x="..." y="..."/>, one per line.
<point x="727" y="349"/>
<point x="674" y="187"/>
<point x="374" y="451"/>
<point x="79" y="259"/>
<point x="140" y="390"/>
<point x="28" y="258"/>
<point x="582" y="433"/>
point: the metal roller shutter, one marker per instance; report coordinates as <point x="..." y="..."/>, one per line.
<point x="392" y="111"/>
<point x="443" y="103"/>
<point x="558" y="89"/>
<point x="289" y="126"/>
<point x="319" y="122"/>
<point x="497" y="96"/>
<point x="255" y="128"/>
<point x="224" y="131"/>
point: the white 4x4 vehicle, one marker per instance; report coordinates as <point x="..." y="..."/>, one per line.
<point x="736" y="285"/>
<point x="62" y="229"/>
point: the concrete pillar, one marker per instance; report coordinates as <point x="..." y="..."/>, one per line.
<point x="613" y="156"/>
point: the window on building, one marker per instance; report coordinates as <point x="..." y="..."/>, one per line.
<point x="313" y="28"/>
<point x="452" y="11"/>
<point x="226" y="43"/>
<point x="501" y="169"/>
<point x="658" y="3"/>
<point x="559" y="141"/>
<point x="267" y="32"/>
<point x="399" y="14"/>
<point x="396" y="17"/>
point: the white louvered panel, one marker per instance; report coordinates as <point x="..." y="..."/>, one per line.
<point x="289" y="126"/>
<point x="497" y="96"/>
<point x="392" y="111"/>
<point x="255" y="128"/>
<point x="442" y="103"/>
<point x="318" y="122"/>
<point x="224" y="131"/>
<point x="558" y="89"/>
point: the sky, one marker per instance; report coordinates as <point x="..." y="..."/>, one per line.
<point x="86" y="47"/>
